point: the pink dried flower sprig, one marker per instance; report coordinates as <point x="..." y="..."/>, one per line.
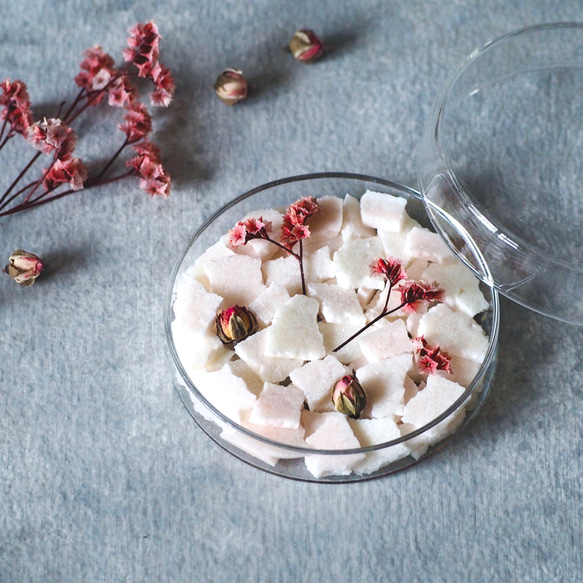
<point x="429" y="358"/>
<point x="98" y="79"/>
<point x="293" y="230"/>
<point x="412" y="293"/>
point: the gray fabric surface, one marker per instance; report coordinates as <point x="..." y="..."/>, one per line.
<point x="103" y="475"/>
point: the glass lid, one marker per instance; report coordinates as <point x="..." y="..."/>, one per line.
<point x="502" y="157"/>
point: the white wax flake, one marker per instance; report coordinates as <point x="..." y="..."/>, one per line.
<point x="194" y="306"/>
<point x="335" y="334"/>
<point x="269" y="368"/>
<point x="325" y="224"/>
<point x="238" y="278"/>
<point x="253" y="381"/>
<point x="383" y="211"/>
<point x="424" y="244"/>
<point x="338" y="305"/>
<point x="333" y="432"/>
<point x="455" y="333"/>
<point x="437" y="396"/>
<point x="294" y="331"/>
<point x="352" y="225"/>
<point x="384" y="385"/>
<point x="284" y="271"/>
<point x="278" y="406"/>
<point x="197" y="349"/>
<point x="385" y="342"/>
<point x="225" y="391"/>
<point x="267" y="303"/>
<point x="374" y="431"/>
<point x="318" y="265"/>
<point x="462" y="290"/>
<point x="352" y="263"/>
<point x="317" y="379"/>
<point x="217" y="251"/>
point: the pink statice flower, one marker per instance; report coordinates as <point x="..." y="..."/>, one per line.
<point x="164" y="85"/>
<point x="244" y="231"/>
<point x="97" y="71"/>
<point x="412" y="293"/>
<point x="294" y="227"/>
<point x="429" y="358"/>
<point x="390" y="268"/>
<point x="70" y="171"/>
<point x="52" y="135"/>
<point x="138" y="122"/>
<point x="148" y="167"/>
<point x="15" y="101"/>
<point x="121" y="92"/>
<point x="143" y="47"/>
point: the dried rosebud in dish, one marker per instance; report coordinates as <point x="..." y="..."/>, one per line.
<point x="231" y="86"/>
<point x="349" y="397"/>
<point x="305" y="46"/>
<point x="24" y="267"/>
<point x="235" y="324"/>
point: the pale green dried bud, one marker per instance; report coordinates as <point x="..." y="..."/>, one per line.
<point x="235" y="324"/>
<point x="23" y="267"/>
<point x="349" y="397"/>
<point x="231" y="86"/>
<point x="305" y="46"/>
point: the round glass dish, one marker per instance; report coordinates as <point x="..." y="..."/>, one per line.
<point x="502" y="158"/>
<point x="289" y="460"/>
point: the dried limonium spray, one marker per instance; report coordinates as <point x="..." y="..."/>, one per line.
<point x="412" y="293"/>
<point x="231" y="86"/>
<point x="294" y="230"/>
<point x="99" y="80"/>
<point x="24" y="267"/>
<point x="429" y="358"/>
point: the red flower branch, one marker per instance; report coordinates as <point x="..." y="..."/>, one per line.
<point x="98" y="80"/>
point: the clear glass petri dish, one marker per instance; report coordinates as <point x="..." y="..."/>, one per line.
<point x="501" y="158"/>
<point x="288" y="460"/>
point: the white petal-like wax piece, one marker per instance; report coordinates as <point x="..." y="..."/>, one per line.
<point x="318" y="265"/>
<point x="238" y="278"/>
<point x="217" y="251"/>
<point x="352" y="225"/>
<point x="424" y="244"/>
<point x="278" y="406"/>
<point x="267" y="303"/>
<point x="269" y="368"/>
<point x="338" y="305"/>
<point x="384" y="385"/>
<point x="316" y="379"/>
<point x="225" y="391"/>
<point x="333" y="432"/>
<point x="374" y="431"/>
<point x="194" y="306"/>
<point x="284" y="271"/>
<point x="294" y="331"/>
<point x="335" y="334"/>
<point x="325" y="224"/>
<point x="352" y="263"/>
<point x="198" y="350"/>
<point x="455" y="332"/>
<point x="385" y="342"/>
<point x="461" y="286"/>
<point x="383" y="211"/>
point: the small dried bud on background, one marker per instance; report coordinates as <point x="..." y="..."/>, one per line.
<point x="349" y="397"/>
<point x="231" y="86"/>
<point x="23" y="267"/>
<point x="235" y="324"/>
<point x="305" y="46"/>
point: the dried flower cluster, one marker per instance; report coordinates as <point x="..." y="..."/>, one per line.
<point x="430" y="358"/>
<point x="294" y="229"/>
<point x="99" y="80"/>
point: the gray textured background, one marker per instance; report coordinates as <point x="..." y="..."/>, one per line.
<point x="103" y="475"/>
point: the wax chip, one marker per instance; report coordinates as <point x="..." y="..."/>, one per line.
<point x="352" y="263"/>
<point x="278" y="406"/>
<point x="294" y="331"/>
<point x="383" y="211"/>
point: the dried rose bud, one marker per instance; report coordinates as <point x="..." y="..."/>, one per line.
<point x="305" y="46"/>
<point x="235" y="324"/>
<point x="23" y="267"/>
<point x="349" y="397"/>
<point x="231" y="86"/>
